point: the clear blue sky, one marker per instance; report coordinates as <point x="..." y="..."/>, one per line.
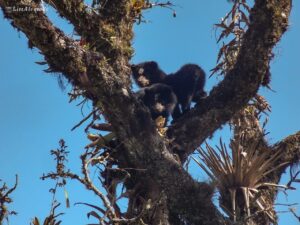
<point x="35" y="113"/>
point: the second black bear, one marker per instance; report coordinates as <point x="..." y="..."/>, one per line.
<point x="159" y="98"/>
<point x="187" y="83"/>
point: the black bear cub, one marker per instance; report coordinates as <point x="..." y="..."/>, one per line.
<point x="187" y="83"/>
<point x="147" y="73"/>
<point x="159" y="98"/>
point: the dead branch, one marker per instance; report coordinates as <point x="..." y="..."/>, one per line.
<point x="85" y="119"/>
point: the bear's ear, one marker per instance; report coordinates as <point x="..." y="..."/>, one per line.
<point x="147" y="90"/>
<point x="133" y="66"/>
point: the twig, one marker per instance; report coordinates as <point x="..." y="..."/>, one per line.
<point x="89" y="185"/>
<point x="293" y="212"/>
<point x="283" y="204"/>
<point x="293" y="177"/>
<point x="4" y="198"/>
<point x="64" y="175"/>
<point x="82" y="121"/>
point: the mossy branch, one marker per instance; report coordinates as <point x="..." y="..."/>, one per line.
<point x="268" y="22"/>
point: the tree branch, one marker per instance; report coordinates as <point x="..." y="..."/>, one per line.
<point x="269" y="20"/>
<point x="53" y="43"/>
<point x="87" y="23"/>
<point x="85" y="19"/>
<point x="291" y="148"/>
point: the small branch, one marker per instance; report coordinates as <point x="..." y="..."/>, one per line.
<point x="168" y="5"/>
<point x="79" y="14"/>
<point x="13" y="188"/>
<point x="289" y="205"/>
<point x="294" y="213"/>
<point x="89" y="185"/>
<point x="291" y="148"/>
<point x="293" y="177"/>
<point x="5" y="199"/>
<point x="82" y="121"/>
<point x="285" y="187"/>
<point x="131" y="220"/>
<point x="64" y="175"/>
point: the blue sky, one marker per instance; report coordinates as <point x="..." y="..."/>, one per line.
<point x="35" y="113"/>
